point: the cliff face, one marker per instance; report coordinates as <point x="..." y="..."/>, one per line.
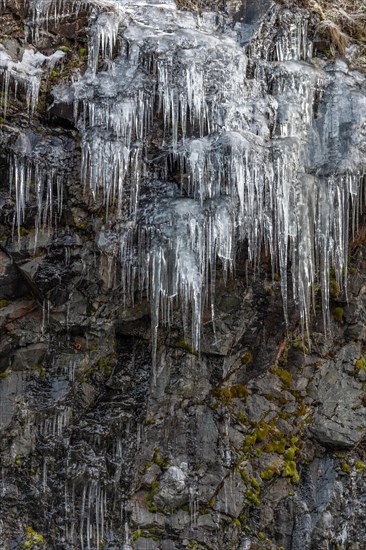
<point x="182" y="315"/>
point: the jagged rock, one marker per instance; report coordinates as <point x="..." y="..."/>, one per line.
<point x="24" y="358"/>
<point x="230" y="499"/>
<point x="173" y="489"/>
<point x="171" y="180"/>
<point x="339" y="419"/>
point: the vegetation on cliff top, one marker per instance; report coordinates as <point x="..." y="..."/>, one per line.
<point x="340" y="23"/>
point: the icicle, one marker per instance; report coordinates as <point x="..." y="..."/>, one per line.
<point x="103" y="37"/>
<point x="34" y="181"/>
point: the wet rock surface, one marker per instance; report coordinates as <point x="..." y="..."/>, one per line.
<point x="256" y="441"/>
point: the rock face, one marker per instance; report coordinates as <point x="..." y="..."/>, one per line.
<point x="182" y="321"/>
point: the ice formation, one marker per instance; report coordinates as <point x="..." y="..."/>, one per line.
<point x="198" y="144"/>
<point x="25" y="74"/>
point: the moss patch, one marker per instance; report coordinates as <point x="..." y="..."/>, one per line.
<point x="285" y="376"/>
<point x="338" y="313"/>
<point x="182" y="344"/>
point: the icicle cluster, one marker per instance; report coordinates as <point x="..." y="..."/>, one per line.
<point x="24" y="75"/>
<point x="37" y="175"/>
<point x="198" y="145"/>
<point x="237" y="163"/>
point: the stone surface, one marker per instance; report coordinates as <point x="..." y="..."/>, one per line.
<point x="339" y="420"/>
<point x="258" y="440"/>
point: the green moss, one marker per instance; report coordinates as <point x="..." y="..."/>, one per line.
<point x="82" y="226"/>
<point x="290" y="471"/>
<point x="268" y="473"/>
<point x="155" y="487"/>
<point x="223" y="395"/>
<point x="261" y="431"/>
<point x="345" y="467"/>
<point x="247" y="358"/>
<point x="4" y="374"/>
<point x="338" y="313"/>
<point x="34" y="539"/>
<point x="64" y="48"/>
<point x="150" y="422"/>
<point x="136" y="535"/>
<point x="23" y="231"/>
<point x="298" y="343"/>
<point x="239" y="391"/>
<point x="254" y="483"/>
<point x="284" y="415"/>
<point x="147" y="465"/>
<point x="182" y="344"/>
<point x="243" y="419"/>
<point x="83" y="52"/>
<point x="285" y="377"/>
<point x="39" y="369"/>
<point x="360" y="466"/>
<point x="212" y="502"/>
<point x="277" y="277"/>
<point x="249" y="441"/>
<point x="159" y="460"/>
<point x="153" y="508"/>
<point x="103" y="363"/>
<point x="244" y="475"/>
<point x="277" y="445"/>
<point x="290" y="453"/>
<point x="253" y="496"/>
<point x="149" y="496"/>
<point x="237" y="522"/>
<point x="302" y="409"/>
<point x="334" y="289"/>
<point x="360" y="364"/>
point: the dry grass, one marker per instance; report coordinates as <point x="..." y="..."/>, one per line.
<point x="331" y="32"/>
<point x="340" y="22"/>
